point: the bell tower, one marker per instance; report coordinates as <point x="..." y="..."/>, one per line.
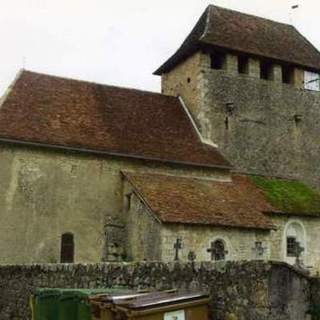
<point x="253" y="88"/>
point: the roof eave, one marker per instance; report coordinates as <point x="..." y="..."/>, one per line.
<point x="263" y="228"/>
<point x="296" y="214"/>
<point x="107" y="153"/>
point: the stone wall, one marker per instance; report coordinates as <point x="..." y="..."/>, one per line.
<point x="272" y="128"/>
<point x="315" y="298"/>
<point x="262" y="126"/>
<point x="45" y="193"/>
<point x="240" y="291"/>
<point x="142" y="233"/>
<point x="239" y="243"/>
<point x="311" y="237"/>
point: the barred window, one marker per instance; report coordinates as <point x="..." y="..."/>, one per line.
<point x="291" y="246"/>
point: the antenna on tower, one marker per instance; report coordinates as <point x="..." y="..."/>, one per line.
<point x="294" y="7"/>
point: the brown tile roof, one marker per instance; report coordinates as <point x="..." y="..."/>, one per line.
<point x="223" y="28"/>
<point x="194" y="201"/>
<point x="75" y="114"/>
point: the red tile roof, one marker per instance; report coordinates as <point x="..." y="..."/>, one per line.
<point x="239" y="203"/>
<point x="223" y="28"/>
<point x="67" y="113"/>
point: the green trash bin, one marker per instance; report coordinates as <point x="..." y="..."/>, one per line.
<point x="45" y="304"/>
<point x="67" y="304"/>
<point x="74" y="303"/>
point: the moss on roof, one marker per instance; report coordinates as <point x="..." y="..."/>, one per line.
<point x="289" y="196"/>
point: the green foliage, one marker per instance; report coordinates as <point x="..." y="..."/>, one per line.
<point x="289" y="196"/>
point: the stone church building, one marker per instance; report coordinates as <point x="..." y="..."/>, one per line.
<point x="222" y="165"/>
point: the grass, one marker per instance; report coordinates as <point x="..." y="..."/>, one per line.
<point x="289" y="196"/>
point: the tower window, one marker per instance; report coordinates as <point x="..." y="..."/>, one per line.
<point x="312" y="81"/>
<point x="288" y="74"/>
<point x="218" y="60"/>
<point x="243" y="64"/>
<point x="67" y="248"/>
<point x="266" y="70"/>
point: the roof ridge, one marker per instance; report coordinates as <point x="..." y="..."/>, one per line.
<point x="96" y="83"/>
<point x="206" y="28"/>
<point x="250" y="15"/>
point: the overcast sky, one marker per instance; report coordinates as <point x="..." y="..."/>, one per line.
<point x="117" y="42"/>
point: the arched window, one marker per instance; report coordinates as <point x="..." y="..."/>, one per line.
<point x="294" y="240"/>
<point x="217" y="250"/>
<point x="67" y="248"/>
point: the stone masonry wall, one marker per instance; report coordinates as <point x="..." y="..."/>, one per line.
<point x="45" y="193"/>
<point x="142" y="233"/>
<point x="262" y="126"/>
<point x="240" y="291"/>
<point x="239" y="243"/>
<point x="311" y="230"/>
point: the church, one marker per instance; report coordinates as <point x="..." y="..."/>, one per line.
<point x="223" y="164"/>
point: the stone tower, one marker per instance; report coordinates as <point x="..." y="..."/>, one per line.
<point x="252" y="86"/>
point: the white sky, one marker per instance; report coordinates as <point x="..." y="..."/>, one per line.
<point x="117" y="42"/>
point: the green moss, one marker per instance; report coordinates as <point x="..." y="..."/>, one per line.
<point x="289" y="196"/>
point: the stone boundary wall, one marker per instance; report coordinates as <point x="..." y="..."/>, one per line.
<point x="240" y="290"/>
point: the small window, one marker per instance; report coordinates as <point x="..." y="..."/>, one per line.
<point x="266" y="70"/>
<point x="243" y="64"/>
<point x="128" y="202"/>
<point x="218" y="60"/>
<point x="67" y="248"/>
<point x="291" y="246"/>
<point x="288" y="74"/>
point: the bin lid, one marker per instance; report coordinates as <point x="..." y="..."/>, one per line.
<point x="78" y="293"/>
<point x="158" y="299"/>
<point x="112" y="298"/>
<point x="45" y="292"/>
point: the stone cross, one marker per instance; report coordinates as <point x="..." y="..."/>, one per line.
<point x="177" y="246"/>
<point x="192" y="256"/>
<point x="298" y="251"/>
<point x="259" y="249"/>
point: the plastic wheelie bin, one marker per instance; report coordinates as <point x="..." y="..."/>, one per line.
<point x="67" y="304"/>
<point x="45" y="304"/>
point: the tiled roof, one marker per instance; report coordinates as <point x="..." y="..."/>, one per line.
<point x="204" y="202"/>
<point x="223" y="28"/>
<point x="65" y="113"/>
